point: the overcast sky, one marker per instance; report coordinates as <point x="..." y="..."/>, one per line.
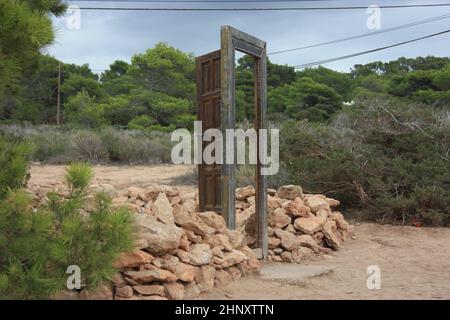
<point x="106" y="36"/>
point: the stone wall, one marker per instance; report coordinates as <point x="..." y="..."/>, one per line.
<point x="181" y="252"/>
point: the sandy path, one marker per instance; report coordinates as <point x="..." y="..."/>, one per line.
<point x="414" y="262"/>
<point x="119" y="176"/>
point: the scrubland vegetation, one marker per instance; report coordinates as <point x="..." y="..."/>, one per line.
<point x="377" y="137"/>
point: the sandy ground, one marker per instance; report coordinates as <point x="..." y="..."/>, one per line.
<point x="414" y="262"/>
<point x="119" y="176"/>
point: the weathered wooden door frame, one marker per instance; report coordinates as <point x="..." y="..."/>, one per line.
<point x="232" y="40"/>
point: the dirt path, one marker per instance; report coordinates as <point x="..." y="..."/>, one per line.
<point x="414" y="262"/>
<point x="119" y="176"/>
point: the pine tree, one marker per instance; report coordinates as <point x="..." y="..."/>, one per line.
<point x="38" y="244"/>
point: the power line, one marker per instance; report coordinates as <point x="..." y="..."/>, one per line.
<point x="408" y="25"/>
<point x="206" y="1"/>
<point x="267" y="9"/>
<point x="316" y="63"/>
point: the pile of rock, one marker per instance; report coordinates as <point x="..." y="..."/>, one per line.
<point x="180" y="252"/>
<point x="300" y="224"/>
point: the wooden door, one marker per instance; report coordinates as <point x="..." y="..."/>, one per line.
<point x="208" y="111"/>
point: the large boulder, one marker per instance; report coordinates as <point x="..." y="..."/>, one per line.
<point x="161" y="238"/>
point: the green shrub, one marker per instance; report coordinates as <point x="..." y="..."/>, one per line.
<point x="37" y="246"/>
<point x="135" y="147"/>
<point x="13" y="164"/>
<point x="89" y="147"/>
<point x="384" y="159"/>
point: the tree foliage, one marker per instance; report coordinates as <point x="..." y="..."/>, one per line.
<point x="37" y="245"/>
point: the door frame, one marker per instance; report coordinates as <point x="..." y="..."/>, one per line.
<point x="232" y="40"/>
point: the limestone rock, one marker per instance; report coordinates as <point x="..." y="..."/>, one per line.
<point x="132" y="259"/>
<point x="102" y="292"/>
<point x="219" y="240"/>
<point x="161" y="238"/>
<point x="217" y="252"/>
<point x="213" y="220"/>
<point x="236" y="238"/>
<point x="290" y="192"/>
<point x="232" y="258"/>
<point x="294" y="209"/>
<point x="154" y="274"/>
<point x="183" y="271"/>
<point x="274" y="242"/>
<point x="305" y="240"/>
<point x="205" y="278"/>
<point x="174" y="290"/>
<point x="184" y="242"/>
<point x="235" y="273"/>
<point x="245" y="192"/>
<point x="200" y="254"/>
<point x="288" y="240"/>
<point x="278" y="219"/>
<point x="196" y="225"/>
<point x="191" y="290"/>
<point x="252" y="260"/>
<point x="162" y="209"/>
<point x="124" y="292"/>
<point x="309" y="225"/>
<point x="333" y="202"/>
<point x="286" y="256"/>
<point x="329" y="230"/>
<point x="149" y="290"/>
<point x="221" y="278"/>
<point x="317" y="202"/>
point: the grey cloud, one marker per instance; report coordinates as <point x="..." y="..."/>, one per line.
<point x="107" y="36"/>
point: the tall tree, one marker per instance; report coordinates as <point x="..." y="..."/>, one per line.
<point x="25" y="29"/>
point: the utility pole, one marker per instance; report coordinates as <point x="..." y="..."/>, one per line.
<point x="58" y="101"/>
